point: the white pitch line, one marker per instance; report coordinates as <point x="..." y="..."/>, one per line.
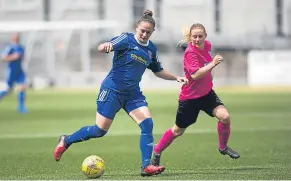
<point x="132" y="133"/>
<point x="139" y="180"/>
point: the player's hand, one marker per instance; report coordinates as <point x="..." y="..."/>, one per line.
<point x="217" y="59"/>
<point x="183" y="80"/>
<point x="108" y="47"/>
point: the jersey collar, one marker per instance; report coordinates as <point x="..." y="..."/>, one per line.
<point x="142" y="44"/>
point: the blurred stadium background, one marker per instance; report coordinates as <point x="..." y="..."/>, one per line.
<point x="61" y="38"/>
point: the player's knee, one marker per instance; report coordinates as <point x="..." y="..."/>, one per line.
<point x="21" y="88"/>
<point x="98" y="132"/>
<point x="146" y="126"/>
<point x="225" y="118"/>
<point x="178" y="131"/>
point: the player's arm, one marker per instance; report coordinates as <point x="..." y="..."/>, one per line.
<point x="158" y="70"/>
<point x="105" y="47"/>
<point x="166" y="75"/>
<point x="192" y="65"/>
<point x="117" y="43"/>
<point x="11" y="57"/>
<point x="202" y="71"/>
<point x="7" y="54"/>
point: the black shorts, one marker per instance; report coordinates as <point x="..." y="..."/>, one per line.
<point x="188" y="110"/>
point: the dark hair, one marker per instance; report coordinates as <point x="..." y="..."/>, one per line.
<point x="148" y="17"/>
<point x="183" y="46"/>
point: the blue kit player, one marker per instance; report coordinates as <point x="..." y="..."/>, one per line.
<point x="13" y="55"/>
<point x="133" y="54"/>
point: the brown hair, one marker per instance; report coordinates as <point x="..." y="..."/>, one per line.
<point x="187" y="31"/>
<point x="148" y="17"/>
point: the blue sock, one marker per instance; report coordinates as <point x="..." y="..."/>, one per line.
<point x="21" y="99"/>
<point x="146" y="141"/>
<point x="2" y="94"/>
<point x="84" y="134"/>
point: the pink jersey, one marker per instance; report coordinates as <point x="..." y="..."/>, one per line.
<point x="195" y="59"/>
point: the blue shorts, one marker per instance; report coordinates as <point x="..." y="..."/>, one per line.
<point x="110" y="102"/>
<point x="15" y="77"/>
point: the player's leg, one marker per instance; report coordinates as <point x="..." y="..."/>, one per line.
<point x="136" y="107"/>
<point x="187" y="114"/>
<point x="223" y="129"/>
<point x="9" y="86"/>
<point x="223" y="126"/>
<point x="7" y="90"/>
<point x="165" y="141"/>
<point x="21" y="92"/>
<point x="87" y="132"/>
<point x="107" y="106"/>
<point x="215" y="108"/>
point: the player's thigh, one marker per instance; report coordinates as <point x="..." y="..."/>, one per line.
<point x="108" y="104"/>
<point x="140" y="114"/>
<point x="10" y="81"/>
<point x="11" y="77"/>
<point x="178" y="131"/>
<point x="20" y="81"/>
<point x="136" y="107"/>
<point x="210" y="102"/>
<point x="187" y="113"/>
<point x="221" y="113"/>
<point x="103" y="122"/>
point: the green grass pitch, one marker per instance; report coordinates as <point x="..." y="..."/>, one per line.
<point x="261" y="133"/>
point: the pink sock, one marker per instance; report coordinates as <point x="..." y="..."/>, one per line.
<point x="165" y="141"/>
<point x="223" y="134"/>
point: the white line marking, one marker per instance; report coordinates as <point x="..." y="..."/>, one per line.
<point x="121" y="133"/>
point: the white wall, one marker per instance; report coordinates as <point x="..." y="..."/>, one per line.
<point x="287" y="17"/>
<point x="176" y="15"/>
<point x="239" y="18"/>
<point x="73" y="10"/>
<point x="19" y="10"/>
<point x="120" y="10"/>
<point x="243" y="17"/>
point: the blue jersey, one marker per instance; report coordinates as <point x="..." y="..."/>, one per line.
<point x="130" y="61"/>
<point x="14" y="66"/>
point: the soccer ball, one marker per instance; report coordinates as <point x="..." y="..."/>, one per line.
<point x="93" y="166"/>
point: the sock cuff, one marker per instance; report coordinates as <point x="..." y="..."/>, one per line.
<point x="222" y="124"/>
<point x="169" y="131"/>
<point x="146" y="126"/>
<point x="99" y="131"/>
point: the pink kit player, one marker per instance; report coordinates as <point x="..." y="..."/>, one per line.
<point x="198" y="94"/>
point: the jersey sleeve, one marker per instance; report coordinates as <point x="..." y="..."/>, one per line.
<point x="191" y="63"/>
<point x="6" y="51"/>
<point x="156" y="65"/>
<point x="120" y="42"/>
